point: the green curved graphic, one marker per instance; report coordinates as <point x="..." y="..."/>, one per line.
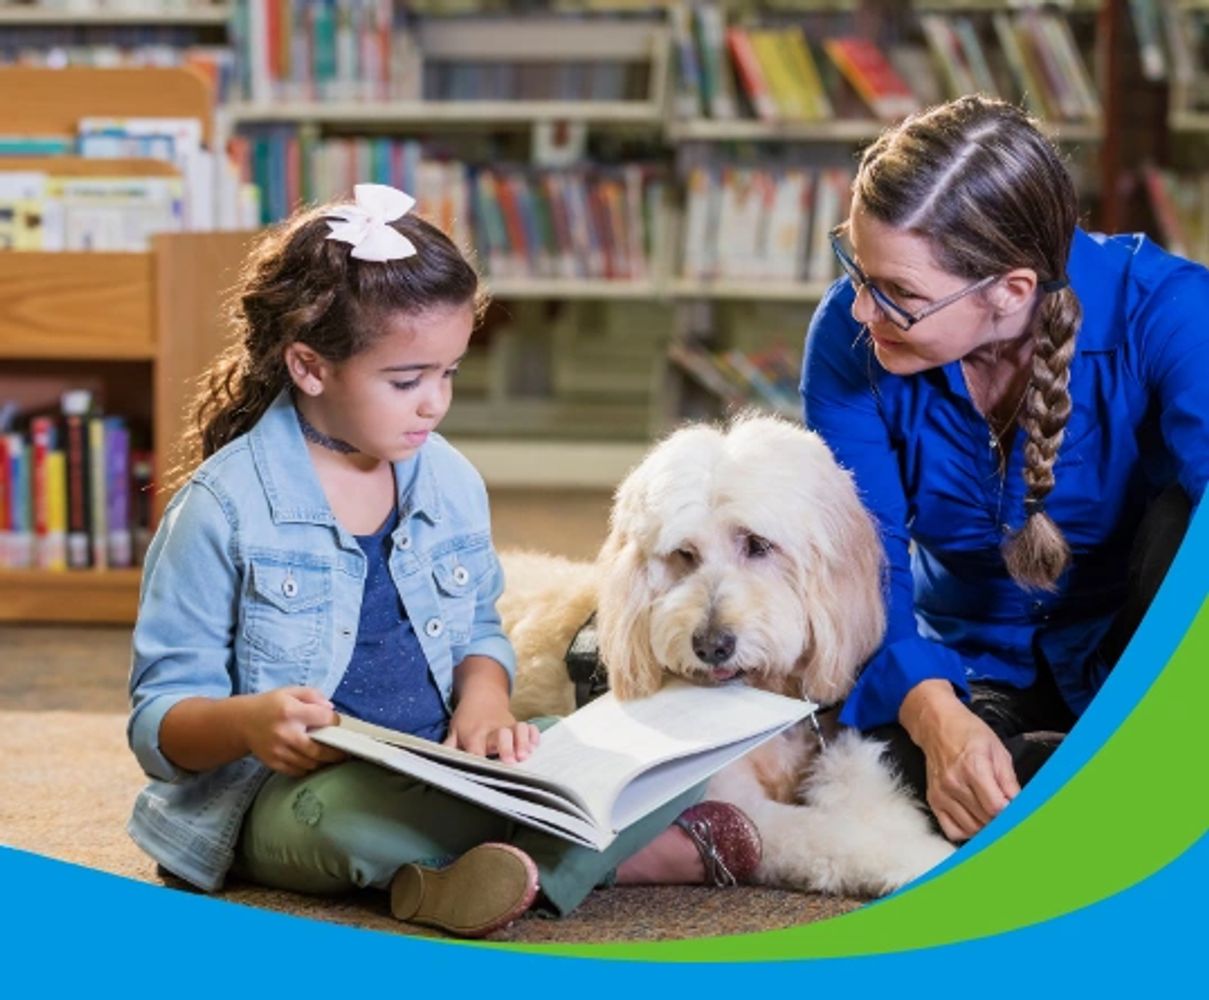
<point x="1136" y="805"/>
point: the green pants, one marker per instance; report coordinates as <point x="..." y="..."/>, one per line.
<point x="354" y="824"/>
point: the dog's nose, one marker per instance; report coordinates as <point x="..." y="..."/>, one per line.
<point x="714" y="646"/>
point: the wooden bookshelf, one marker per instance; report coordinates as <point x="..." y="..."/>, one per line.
<point x="101" y="597"/>
<point x="141" y="325"/>
<point x="39" y="15"/>
<point x="432" y="114"/>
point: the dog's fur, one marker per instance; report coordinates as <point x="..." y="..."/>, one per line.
<point x="752" y="534"/>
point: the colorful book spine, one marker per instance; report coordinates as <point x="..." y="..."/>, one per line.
<point x="54" y="551"/>
<point x="98" y="525"/>
<point x="79" y="547"/>
<point x="120" y="548"/>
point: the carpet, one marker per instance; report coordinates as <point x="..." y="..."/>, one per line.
<point x="68" y="782"/>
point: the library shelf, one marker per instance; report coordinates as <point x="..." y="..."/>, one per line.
<point x="563" y="288"/>
<point x="751" y="130"/>
<point x="512" y="463"/>
<point x="753" y="290"/>
<point x="85" y="596"/>
<point x="39" y="16"/>
<point x="445" y="113"/>
<point x="851" y="130"/>
<point x="1188" y="121"/>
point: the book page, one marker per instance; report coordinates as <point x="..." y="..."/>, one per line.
<point x="600" y="749"/>
<point x="517" y="803"/>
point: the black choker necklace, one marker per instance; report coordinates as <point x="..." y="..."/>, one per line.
<point x="312" y="433"/>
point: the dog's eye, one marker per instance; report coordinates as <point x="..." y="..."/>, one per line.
<point x="758" y="547"/>
<point x="686" y="557"/>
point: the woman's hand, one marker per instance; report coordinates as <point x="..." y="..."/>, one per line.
<point x="274" y="726"/>
<point x="482" y="723"/>
<point x="970" y="772"/>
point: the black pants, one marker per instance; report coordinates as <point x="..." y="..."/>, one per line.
<point x="1032" y="721"/>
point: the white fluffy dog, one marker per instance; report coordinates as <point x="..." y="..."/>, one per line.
<point x="741" y="553"/>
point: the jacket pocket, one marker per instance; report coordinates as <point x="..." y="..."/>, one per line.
<point x="457" y="577"/>
<point x="286" y="608"/>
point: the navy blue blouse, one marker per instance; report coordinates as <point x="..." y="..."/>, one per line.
<point x="918" y="450"/>
<point x="388" y="681"/>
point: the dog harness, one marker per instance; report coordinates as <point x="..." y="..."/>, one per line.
<point x="584" y="668"/>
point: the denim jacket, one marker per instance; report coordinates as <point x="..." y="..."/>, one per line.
<point x="250" y="585"/>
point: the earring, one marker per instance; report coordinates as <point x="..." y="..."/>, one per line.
<point x="313" y="389"/>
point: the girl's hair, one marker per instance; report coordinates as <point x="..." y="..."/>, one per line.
<point x="977" y="180"/>
<point x="297" y="285"/>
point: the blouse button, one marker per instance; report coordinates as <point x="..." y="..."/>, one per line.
<point x="434" y="627"/>
<point x="460" y="575"/>
<point x="289" y="587"/>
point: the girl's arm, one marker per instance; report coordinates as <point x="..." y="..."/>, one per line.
<point x="482" y="721"/>
<point x="184" y="717"/>
<point x="199" y="734"/>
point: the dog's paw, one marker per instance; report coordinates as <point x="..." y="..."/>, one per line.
<point x="914" y="857"/>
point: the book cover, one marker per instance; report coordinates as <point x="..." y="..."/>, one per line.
<point x="872" y="76"/>
<point x="751" y="74"/>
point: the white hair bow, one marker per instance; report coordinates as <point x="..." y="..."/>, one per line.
<point x="365" y="224"/>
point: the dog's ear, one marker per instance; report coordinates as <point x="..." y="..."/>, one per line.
<point x="844" y="602"/>
<point x="623" y="618"/>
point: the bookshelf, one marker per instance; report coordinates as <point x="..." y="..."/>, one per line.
<point x="538" y="443"/>
<point x="134" y="327"/>
<point x="41" y="15"/>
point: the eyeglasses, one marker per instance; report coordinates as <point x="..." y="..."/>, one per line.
<point x="895" y="313"/>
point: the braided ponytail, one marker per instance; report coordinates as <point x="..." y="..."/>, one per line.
<point x="1037" y="554"/>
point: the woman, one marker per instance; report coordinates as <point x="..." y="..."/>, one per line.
<point x="1025" y="409"/>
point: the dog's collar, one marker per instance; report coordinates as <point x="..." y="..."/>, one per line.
<point x="584" y="668"/>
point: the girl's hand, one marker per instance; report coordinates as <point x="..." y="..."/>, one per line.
<point x="274" y="726"/>
<point x="970" y="773"/>
<point x="483" y="725"/>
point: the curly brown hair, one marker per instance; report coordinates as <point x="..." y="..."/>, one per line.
<point x="979" y="181"/>
<point x="297" y="285"/>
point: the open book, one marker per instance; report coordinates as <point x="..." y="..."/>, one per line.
<point x="600" y="769"/>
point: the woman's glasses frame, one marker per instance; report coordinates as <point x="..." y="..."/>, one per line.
<point x="895" y="313"/>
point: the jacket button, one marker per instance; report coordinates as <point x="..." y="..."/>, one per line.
<point x="460" y="575"/>
<point x="434" y="627"/>
<point x="289" y="587"/>
<point x="405" y="541"/>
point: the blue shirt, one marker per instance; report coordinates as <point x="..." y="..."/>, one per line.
<point x="251" y="584"/>
<point x="918" y="450"/>
<point x="388" y="681"/>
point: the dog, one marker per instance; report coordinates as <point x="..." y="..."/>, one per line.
<point x="741" y="552"/>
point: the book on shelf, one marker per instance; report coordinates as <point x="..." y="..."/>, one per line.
<point x="1161" y="190"/>
<point x="767" y="379"/>
<point x="600" y="769"/>
<point x="67" y="490"/>
<point x="337" y="50"/>
<point x="717" y="83"/>
<point x="753" y="225"/>
<point x="872" y="76"/>
<point x="1148" y="29"/>
<point x="751" y="74"/>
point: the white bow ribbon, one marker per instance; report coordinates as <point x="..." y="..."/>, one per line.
<point x="365" y="224"/>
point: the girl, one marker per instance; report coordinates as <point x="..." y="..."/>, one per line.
<point x="332" y="554"/>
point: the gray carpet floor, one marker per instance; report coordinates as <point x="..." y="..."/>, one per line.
<point x="68" y="782"/>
